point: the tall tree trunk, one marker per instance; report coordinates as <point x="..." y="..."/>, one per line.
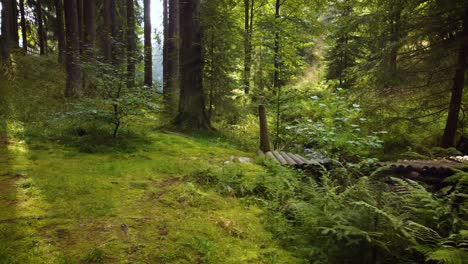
<point x="60" y="30"/>
<point x="73" y="87"/>
<point x="80" y="24"/>
<point x="276" y="73"/>
<point x="166" y="61"/>
<point x="248" y="26"/>
<point x="40" y="28"/>
<point x="14" y="23"/>
<point x="448" y="139"/>
<point x="192" y="113"/>
<point x="107" y="40"/>
<point x="113" y="18"/>
<point x="173" y="89"/>
<point x="89" y="14"/>
<point x="148" y="48"/>
<point x="6" y="36"/>
<point x="131" y="45"/>
<point x="24" y="34"/>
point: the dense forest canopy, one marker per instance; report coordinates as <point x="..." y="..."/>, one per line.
<point x="358" y="111"/>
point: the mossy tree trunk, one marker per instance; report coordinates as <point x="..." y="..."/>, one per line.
<point x="73" y="87"/>
<point x="192" y="115"/>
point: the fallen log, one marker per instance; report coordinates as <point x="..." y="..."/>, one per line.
<point x="288" y="159"/>
<point x="279" y="158"/>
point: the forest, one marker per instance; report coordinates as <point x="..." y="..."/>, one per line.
<point x="234" y="131"/>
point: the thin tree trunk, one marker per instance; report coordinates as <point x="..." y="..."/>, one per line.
<point x="264" y="140"/>
<point x="192" y="113"/>
<point x="131" y="45"/>
<point x="60" y="30"/>
<point x="89" y="15"/>
<point x="80" y="24"/>
<point x="107" y="40"/>
<point x="276" y="74"/>
<point x="276" y="77"/>
<point x="40" y="29"/>
<point x="212" y="76"/>
<point x="448" y="139"/>
<point x="113" y="18"/>
<point x="148" y="48"/>
<point x="166" y="60"/>
<point x="23" y="27"/>
<point x="73" y="87"/>
<point x="174" y="55"/>
<point x="248" y="26"/>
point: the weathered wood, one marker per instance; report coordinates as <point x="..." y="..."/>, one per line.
<point x="264" y="140"/>
<point x="278" y="156"/>
<point x="303" y="159"/>
<point x="296" y="159"/>
<point x="288" y="159"/>
<point x="270" y="155"/>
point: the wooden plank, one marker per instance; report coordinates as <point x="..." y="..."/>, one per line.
<point x="278" y="156"/>
<point x="303" y="159"/>
<point x="288" y="159"/>
<point x="270" y="155"/>
<point x="297" y="159"/>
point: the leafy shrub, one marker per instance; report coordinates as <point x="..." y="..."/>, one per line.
<point x="323" y="120"/>
<point x="96" y="119"/>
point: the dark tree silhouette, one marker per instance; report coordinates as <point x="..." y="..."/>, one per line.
<point x="73" y="87"/>
<point x="192" y="113"/>
<point x="60" y="30"/>
<point x="148" y="49"/>
<point x="131" y="44"/>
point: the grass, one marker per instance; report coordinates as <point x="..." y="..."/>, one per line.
<point x="61" y="205"/>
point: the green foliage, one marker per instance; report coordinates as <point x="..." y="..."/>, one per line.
<point x="347" y="219"/>
<point x="322" y="119"/>
<point x="96" y="119"/>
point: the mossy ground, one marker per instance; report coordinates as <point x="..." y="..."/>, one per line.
<point x="60" y="205"/>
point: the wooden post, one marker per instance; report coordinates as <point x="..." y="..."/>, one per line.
<point x="264" y="141"/>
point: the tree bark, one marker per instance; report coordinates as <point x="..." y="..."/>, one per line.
<point x="80" y="24"/>
<point x="113" y="28"/>
<point x="276" y="73"/>
<point x="248" y="26"/>
<point x="148" y="48"/>
<point x="448" y="138"/>
<point x="24" y="34"/>
<point x="73" y="87"/>
<point x="107" y="40"/>
<point x="7" y="39"/>
<point x="192" y="115"/>
<point x="60" y="30"/>
<point x="40" y="28"/>
<point x="166" y="41"/>
<point x="264" y="141"/>
<point x="131" y="45"/>
<point x="14" y="23"/>
<point x="173" y="89"/>
<point x="89" y="15"/>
